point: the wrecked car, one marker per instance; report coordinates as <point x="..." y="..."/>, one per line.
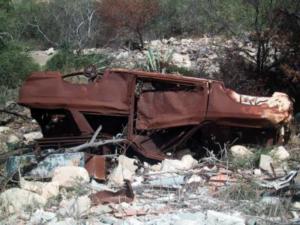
<point x="156" y="113"/>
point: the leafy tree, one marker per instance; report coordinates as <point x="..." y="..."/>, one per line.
<point x="131" y="15"/>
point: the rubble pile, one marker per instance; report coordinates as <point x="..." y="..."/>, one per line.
<point x="199" y="54"/>
<point x="183" y="191"/>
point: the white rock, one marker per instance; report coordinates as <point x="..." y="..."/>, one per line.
<point x="123" y="55"/>
<point x="265" y="163"/>
<point x="155" y="43"/>
<point x="257" y="172"/>
<point x="239" y="151"/>
<point x="124" y="171"/>
<point x="16" y="200"/>
<point x="172" y="39"/>
<point x="41" y="217"/>
<point x="156" y="167"/>
<point x="13" y="139"/>
<point x="75" y="207"/>
<point x="296" y="205"/>
<point x="45" y="189"/>
<point x="217" y="218"/>
<point x="50" y="51"/>
<point x="68" y="176"/>
<point x="186" y="163"/>
<point x="195" y="179"/>
<point x="4" y="130"/>
<point x="181" y="60"/>
<point x="280" y="153"/>
<point x="30" y="137"/>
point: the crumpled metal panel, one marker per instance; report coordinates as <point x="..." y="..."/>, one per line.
<point x="109" y="95"/>
<point x="165" y="109"/>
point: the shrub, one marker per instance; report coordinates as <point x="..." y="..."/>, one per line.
<point x="67" y="61"/>
<point x="16" y="65"/>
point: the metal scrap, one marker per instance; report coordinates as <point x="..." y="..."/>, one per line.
<point x="105" y="197"/>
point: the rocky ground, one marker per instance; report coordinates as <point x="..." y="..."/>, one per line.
<point x="245" y="186"/>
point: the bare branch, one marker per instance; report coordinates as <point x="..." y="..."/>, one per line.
<point x="43" y="34"/>
<point x="94" y="145"/>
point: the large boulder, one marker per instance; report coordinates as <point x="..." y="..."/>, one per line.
<point x="69" y="176"/>
<point x="16" y="200"/>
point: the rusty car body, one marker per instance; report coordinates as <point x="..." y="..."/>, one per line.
<point x="156" y="113"/>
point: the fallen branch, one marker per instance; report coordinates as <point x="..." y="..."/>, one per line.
<point x="94" y="145"/>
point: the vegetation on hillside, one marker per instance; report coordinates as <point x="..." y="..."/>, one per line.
<point x="271" y="26"/>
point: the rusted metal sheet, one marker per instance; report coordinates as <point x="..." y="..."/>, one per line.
<point x="96" y="166"/>
<point x="105" y="197"/>
<point x="156" y="112"/>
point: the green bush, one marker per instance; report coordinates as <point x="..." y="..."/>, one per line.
<point x="15" y="65"/>
<point x="66" y="61"/>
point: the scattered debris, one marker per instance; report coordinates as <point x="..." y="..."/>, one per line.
<point x="279" y="183"/>
<point x="105" y="197"/>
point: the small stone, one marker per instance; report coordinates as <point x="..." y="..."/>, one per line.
<point x="296" y="205"/>
<point x="156" y="167"/>
<point x="13" y="139"/>
<point x="50" y="51"/>
<point x="30" y="137"/>
<point x="69" y="176"/>
<point x="4" y="130"/>
<point x="257" y="172"/>
<point x="186" y="163"/>
<point x="280" y="153"/>
<point x="239" y="151"/>
<point x="195" y="179"/>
